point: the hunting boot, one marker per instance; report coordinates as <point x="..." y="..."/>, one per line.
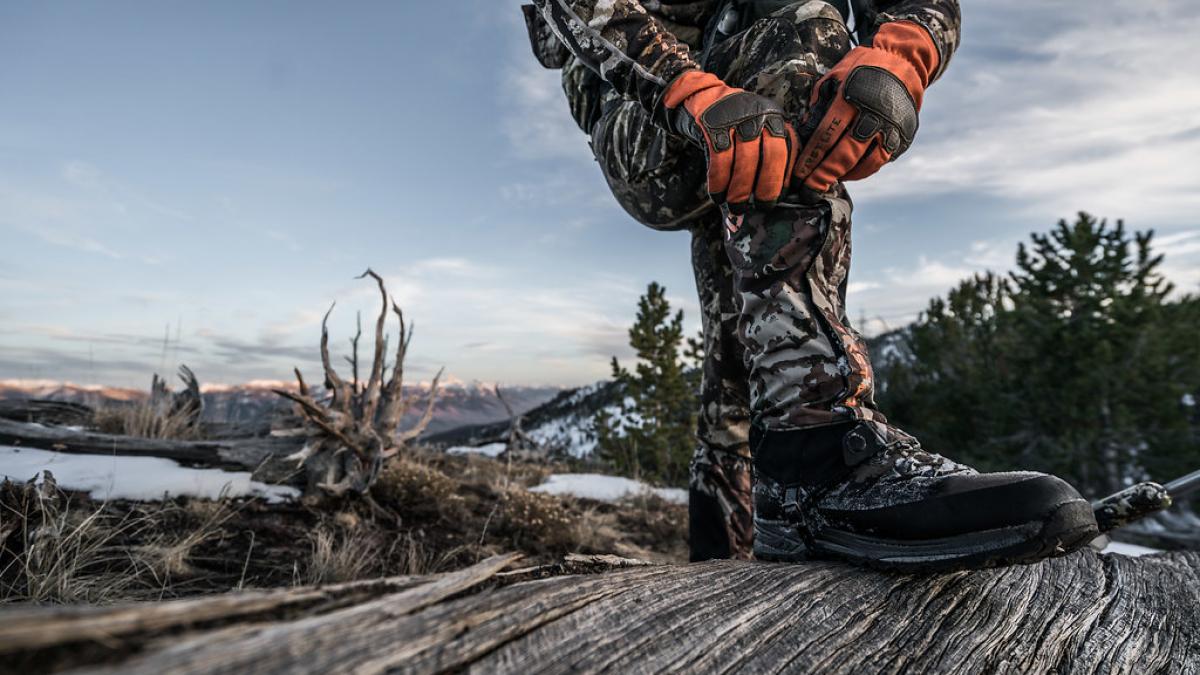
<point x="869" y="493"/>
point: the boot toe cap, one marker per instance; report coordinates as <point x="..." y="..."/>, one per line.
<point x="955" y="505"/>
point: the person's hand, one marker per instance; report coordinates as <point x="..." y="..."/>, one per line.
<point x="864" y="110"/>
<point x="749" y="145"/>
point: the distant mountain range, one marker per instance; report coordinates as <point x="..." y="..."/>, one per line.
<point x="565" y="424"/>
<point x="458" y="404"/>
<point x="466" y="413"/>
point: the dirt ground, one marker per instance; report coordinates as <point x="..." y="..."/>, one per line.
<point x="431" y="512"/>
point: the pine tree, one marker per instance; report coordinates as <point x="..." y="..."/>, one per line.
<point x="652" y="436"/>
<point x="1078" y="363"/>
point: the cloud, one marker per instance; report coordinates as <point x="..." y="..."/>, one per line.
<point x="79" y="242"/>
<point x="1181" y="261"/>
<point x="81" y="174"/>
<point x="536" y="119"/>
<point x="1056" y="109"/>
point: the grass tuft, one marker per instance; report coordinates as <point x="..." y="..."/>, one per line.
<point x="146" y="419"/>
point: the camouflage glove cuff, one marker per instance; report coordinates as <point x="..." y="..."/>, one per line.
<point x="864" y="111"/>
<point x="749" y="145"/>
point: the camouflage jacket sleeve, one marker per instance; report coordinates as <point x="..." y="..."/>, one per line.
<point x="618" y="39"/>
<point x="940" y="17"/>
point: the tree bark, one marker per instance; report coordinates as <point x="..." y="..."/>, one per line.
<point x="1084" y="613"/>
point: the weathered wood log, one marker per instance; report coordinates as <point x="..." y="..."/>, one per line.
<point x="45" y="411"/>
<point x="1084" y="613"/>
<point x="265" y="455"/>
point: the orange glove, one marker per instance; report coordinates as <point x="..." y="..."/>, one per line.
<point x="864" y="111"/>
<point x="749" y="145"/>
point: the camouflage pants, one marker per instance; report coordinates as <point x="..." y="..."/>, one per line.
<point x="778" y="347"/>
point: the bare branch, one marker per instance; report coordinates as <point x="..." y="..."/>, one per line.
<point x="353" y="358"/>
<point x="318" y="416"/>
<point x="375" y="382"/>
<point x="300" y="380"/>
<point x="395" y="404"/>
<point x="334" y="383"/>
<point x="508" y="408"/>
<point x="419" y="427"/>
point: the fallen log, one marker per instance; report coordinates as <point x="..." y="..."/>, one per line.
<point x="262" y="455"/>
<point x="45" y="411"/>
<point x="1084" y="613"/>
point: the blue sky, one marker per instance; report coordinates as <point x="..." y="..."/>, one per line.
<point x="221" y="171"/>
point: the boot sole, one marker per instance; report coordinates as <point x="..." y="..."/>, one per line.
<point x="1069" y="527"/>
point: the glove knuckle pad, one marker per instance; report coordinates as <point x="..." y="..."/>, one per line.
<point x="745" y="112"/>
<point x="720" y="139"/>
<point x="886" y="107"/>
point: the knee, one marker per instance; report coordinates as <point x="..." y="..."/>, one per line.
<point x="784" y="54"/>
<point x="803" y="11"/>
<point x="586" y="94"/>
<point x="819" y="35"/>
<point x="658" y="178"/>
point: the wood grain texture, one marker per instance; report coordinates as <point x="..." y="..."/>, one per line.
<point x="26" y="629"/>
<point x="1084" y="613"/>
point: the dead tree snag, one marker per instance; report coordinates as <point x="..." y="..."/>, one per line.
<point x="355" y="427"/>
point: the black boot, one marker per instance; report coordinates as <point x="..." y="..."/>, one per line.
<point x="844" y="491"/>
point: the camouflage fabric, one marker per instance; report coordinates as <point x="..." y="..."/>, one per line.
<point x="721" y="523"/>
<point x="641" y="47"/>
<point x="630" y="48"/>
<point x="1131" y="504"/>
<point x="774" y="279"/>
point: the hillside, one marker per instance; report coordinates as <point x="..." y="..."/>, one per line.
<point x="563" y="425"/>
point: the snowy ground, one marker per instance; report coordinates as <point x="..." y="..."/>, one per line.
<point x="1132" y="550"/>
<point x="604" y="488"/>
<point x="138" y="478"/>
<point x="489" y="450"/>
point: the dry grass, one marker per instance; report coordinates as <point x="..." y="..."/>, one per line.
<point x="165" y="556"/>
<point x="145" y="419"/>
<point x="412" y="555"/>
<point x="432" y="513"/>
<point x="55" y="551"/>
<point x="537" y="521"/>
<point x="58" y="551"/>
<point x="420" y="490"/>
<point x="341" y="556"/>
<point x="481" y="505"/>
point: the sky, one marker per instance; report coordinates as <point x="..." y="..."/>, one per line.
<point x="198" y="182"/>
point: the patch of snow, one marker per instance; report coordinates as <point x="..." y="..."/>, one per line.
<point x="604" y="488"/>
<point x="138" y="478"/>
<point x="582" y="393"/>
<point x="575" y="436"/>
<point x="1132" y="550"/>
<point x="489" y="450"/>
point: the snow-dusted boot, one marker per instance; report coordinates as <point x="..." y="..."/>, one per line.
<point x="870" y="494"/>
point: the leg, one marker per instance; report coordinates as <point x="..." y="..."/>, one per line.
<point x="720" y="500"/>
<point x="807" y="367"/>
<point x="658" y="178"/>
<point x="832" y="477"/>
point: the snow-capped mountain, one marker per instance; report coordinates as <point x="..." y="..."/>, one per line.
<point x="459" y="403"/>
<point x="563" y="425"/>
